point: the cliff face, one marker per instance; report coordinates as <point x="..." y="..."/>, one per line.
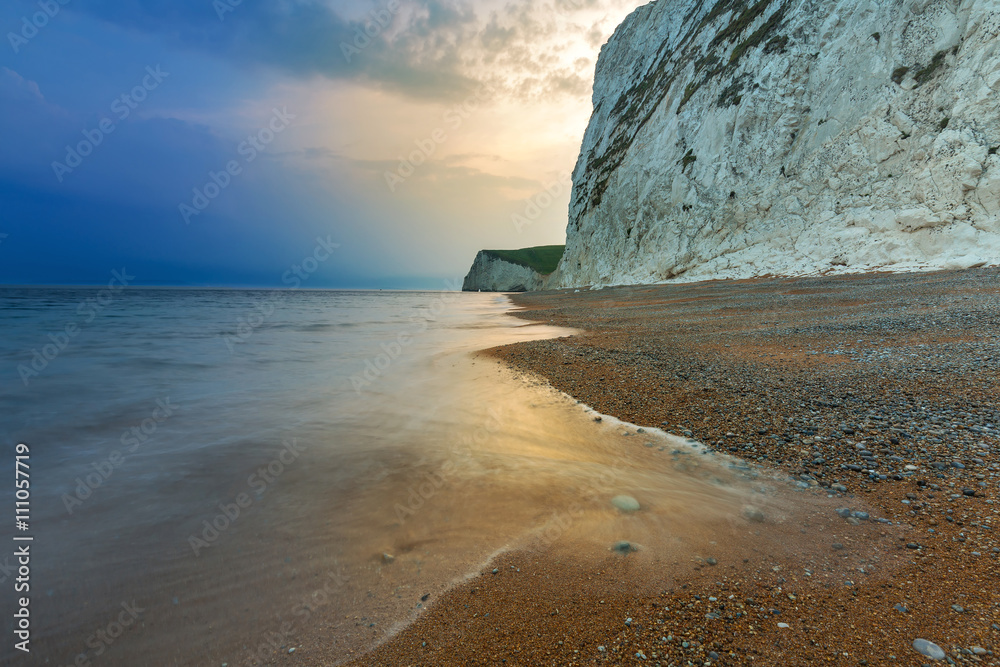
<point x="492" y="274"/>
<point x="739" y="138"/>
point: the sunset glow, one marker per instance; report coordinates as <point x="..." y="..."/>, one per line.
<point x="415" y="143"/>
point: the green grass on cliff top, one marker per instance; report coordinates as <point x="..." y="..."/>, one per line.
<point x="543" y="258"/>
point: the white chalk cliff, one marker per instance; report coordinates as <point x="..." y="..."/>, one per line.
<point x="735" y="138"/>
<point x="492" y="274"/>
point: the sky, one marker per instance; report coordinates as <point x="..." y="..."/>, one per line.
<point x="349" y="144"/>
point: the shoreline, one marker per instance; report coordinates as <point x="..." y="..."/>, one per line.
<point x="895" y="373"/>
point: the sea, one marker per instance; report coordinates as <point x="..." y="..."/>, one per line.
<point x="222" y="476"/>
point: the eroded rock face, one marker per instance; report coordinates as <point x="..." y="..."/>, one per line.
<point x="738" y="138"/>
<point x="491" y="274"/>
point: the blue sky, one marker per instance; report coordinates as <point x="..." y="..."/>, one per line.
<point x="213" y="143"/>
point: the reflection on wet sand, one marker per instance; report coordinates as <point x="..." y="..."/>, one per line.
<point x="324" y="539"/>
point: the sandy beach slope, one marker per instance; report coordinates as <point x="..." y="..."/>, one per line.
<point x="873" y="396"/>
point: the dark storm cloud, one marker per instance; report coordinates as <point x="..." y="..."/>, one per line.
<point x="413" y="48"/>
<point x="431" y="49"/>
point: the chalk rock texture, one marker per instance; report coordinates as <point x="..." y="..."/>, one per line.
<point x="492" y="274"/>
<point x="734" y="138"/>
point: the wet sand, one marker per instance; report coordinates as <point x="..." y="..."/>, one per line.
<point x="875" y="395"/>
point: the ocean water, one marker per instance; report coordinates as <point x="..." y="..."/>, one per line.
<point x="221" y="475"/>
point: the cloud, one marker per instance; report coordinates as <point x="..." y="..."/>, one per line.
<point x="450" y="170"/>
<point x="425" y="49"/>
<point x="496" y="38"/>
<point x="15" y="88"/>
<point x="466" y="157"/>
<point x="569" y="83"/>
<point x="414" y="50"/>
<point x="358" y="115"/>
<point x="32" y="129"/>
<point x="319" y="153"/>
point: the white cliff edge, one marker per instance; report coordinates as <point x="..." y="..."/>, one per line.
<point x="491" y="274"/>
<point x="790" y="137"/>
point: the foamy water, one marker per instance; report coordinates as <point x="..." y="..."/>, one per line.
<point x="219" y="475"/>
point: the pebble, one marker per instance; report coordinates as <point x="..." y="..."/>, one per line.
<point x="783" y="625"/>
<point x="625" y="503"/>
<point x="929" y="649"/>
<point x="957" y="608"/>
<point x="903" y="427"/>
<point x="838" y="546"/>
<point x="624" y="547"/>
<point x="711" y="561"/>
<point x="843" y="512"/>
<point x="753" y="514"/>
<point x="900" y="608"/>
<point x="495" y="570"/>
<point x="388" y="558"/>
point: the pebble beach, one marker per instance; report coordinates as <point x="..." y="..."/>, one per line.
<point x="872" y="398"/>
